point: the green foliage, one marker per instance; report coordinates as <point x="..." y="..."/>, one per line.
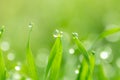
<point x="2" y="64"/>
<point x="53" y="67"/>
<point x="30" y="60"/>
<point x="54" y="61"/>
<point x="87" y="64"/>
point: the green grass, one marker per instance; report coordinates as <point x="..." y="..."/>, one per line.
<point x="54" y="61"/>
<point x="52" y="71"/>
<point x="2" y="64"/>
<point x="30" y="59"/>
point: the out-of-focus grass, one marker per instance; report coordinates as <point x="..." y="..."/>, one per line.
<point x="2" y="64"/>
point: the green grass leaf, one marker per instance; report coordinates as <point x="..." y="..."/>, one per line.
<point x="87" y="64"/>
<point x="81" y="48"/>
<point x="104" y="34"/>
<point x="108" y="32"/>
<point x="30" y="60"/>
<point x="54" y="61"/>
<point x="2" y="64"/>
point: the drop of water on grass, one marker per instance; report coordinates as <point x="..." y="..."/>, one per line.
<point x="58" y="33"/>
<point x="11" y="56"/>
<point x="76" y="71"/>
<point x="104" y="54"/>
<point x="5" y="46"/>
<point x="75" y="35"/>
<point x="71" y="51"/>
<point x="17" y="68"/>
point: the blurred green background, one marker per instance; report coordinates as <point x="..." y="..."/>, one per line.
<point x="86" y="17"/>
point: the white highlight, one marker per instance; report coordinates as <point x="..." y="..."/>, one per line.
<point x="104" y="54"/>
<point x="17" y="68"/>
<point x="71" y="51"/>
<point x="76" y="71"/>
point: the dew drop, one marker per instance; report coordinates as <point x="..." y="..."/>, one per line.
<point x="71" y="51"/>
<point x="75" y="35"/>
<point x="17" y="68"/>
<point x="76" y="71"/>
<point x="57" y="33"/>
<point x="104" y="55"/>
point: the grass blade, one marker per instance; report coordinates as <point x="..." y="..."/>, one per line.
<point x="108" y="32"/>
<point x="54" y="60"/>
<point x="81" y="47"/>
<point x="2" y="64"/>
<point x="30" y="60"/>
<point x="105" y="34"/>
<point x="87" y="65"/>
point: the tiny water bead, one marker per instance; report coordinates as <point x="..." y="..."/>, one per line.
<point x="75" y="35"/>
<point x="104" y="54"/>
<point x="57" y="33"/>
<point x="71" y="51"/>
<point x="76" y="71"/>
<point x="17" y="68"/>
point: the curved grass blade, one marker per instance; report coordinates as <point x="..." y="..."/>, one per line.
<point x="92" y="64"/>
<point x="108" y="32"/>
<point x="101" y="73"/>
<point x="105" y="34"/>
<point x="2" y="64"/>
<point x="54" y="60"/>
<point x="83" y="70"/>
<point x="87" y="65"/>
<point x="81" y="47"/>
<point x="30" y="59"/>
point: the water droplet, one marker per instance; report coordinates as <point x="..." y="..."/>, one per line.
<point x="75" y="35"/>
<point x="71" y="51"/>
<point x="5" y="46"/>
<point x="11" y="56"/>
<point x="58" y="33"/>
<point x="76" y="71"/>
<point x="104" y="54"/>
<point x="17" y="68"/>
<point x="30" y="25"/>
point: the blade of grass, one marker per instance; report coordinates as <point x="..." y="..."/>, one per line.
<point x="81" y="47"/>
<point x="30" y="59"/>
<point x="87" y="65"/>
<point x="2" y="64"/>
<point x="92" y="64"/>
<point x="105" y="34"/>
<point x="54" y="60"/>
<point x="83" y="70"/>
